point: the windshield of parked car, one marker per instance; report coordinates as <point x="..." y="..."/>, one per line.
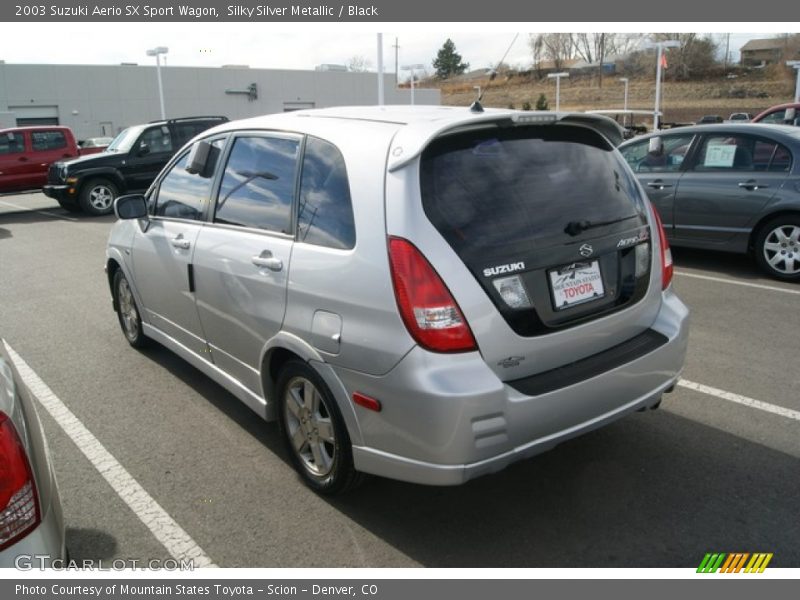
<point x="124" y="141"/>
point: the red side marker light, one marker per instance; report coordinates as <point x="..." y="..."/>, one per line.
<point x="366" y="401"/>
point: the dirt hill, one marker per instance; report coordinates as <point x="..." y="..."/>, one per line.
<point x="682" y="101"/>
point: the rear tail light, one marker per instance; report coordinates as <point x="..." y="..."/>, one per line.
<point x="427" y="308"/>
<point x="666" y="253"/>
<point x="19" y="506"/>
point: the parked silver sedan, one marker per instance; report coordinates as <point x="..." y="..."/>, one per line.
<point x="726" y="187"/>
<point x="31" y="521"/>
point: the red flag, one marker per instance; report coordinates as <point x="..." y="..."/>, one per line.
<point x="664" y="60"/>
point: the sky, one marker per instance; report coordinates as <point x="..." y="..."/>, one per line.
<point x="295" y="46"/>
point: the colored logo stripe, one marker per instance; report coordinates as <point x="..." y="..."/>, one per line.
<point x="734" y="562"/>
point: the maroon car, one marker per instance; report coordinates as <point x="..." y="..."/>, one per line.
<point x="782" y="114"/>
<point x="26" y="154"/>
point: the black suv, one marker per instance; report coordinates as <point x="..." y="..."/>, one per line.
<point x="129" y="164"/>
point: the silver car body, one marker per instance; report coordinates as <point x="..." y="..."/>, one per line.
<point x="445" y="418"/>
<point x="48" y="538"/>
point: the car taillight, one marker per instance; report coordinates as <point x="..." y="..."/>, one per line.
<point x="428" y="309"/>
<point x="666" y="253"/>
<point x="19" y="506"/>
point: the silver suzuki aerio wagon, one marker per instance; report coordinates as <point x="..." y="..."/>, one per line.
<point x="422" y="293"/>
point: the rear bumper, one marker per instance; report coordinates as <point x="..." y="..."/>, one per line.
<point x="447" y="418"/>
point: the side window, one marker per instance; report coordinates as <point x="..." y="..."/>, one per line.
<point x="156" y="140"/>
<point x="11" y="143"/>
<point x="183" y="195"/>
<point x="48" y="140"/>
<point x="781" y="159"/>
<point x="721" y="153"/>
<point x="325" y="214"/>
<point x="669" y="158"/>
<point x="258" y="184"/>
<point x="774" y="117"/>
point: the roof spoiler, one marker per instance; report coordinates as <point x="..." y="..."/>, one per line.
<point x="411" y="141"/>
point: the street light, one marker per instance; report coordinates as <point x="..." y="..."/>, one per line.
<point x="412" y="68"/>
<point x="625" y="102"/>
<point x="557" y="77"/>
<point x="157" y="52"/>
<point x="660" y="46"/>
<point x="795" y="64"/>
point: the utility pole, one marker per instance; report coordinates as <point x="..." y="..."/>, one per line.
<point x="727" y="49"/>
<point x="396" y="63"/>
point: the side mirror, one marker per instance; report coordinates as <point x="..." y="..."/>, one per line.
<point x="144" y="150"/>
<point x="133" y="206"/>
<point x="789" y="115"/>
<point x="202" y="159"/>
<point x="655" y="146"/>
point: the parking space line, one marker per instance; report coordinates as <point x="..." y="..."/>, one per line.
<point x="41" y="212"/>
<point x="171" y="535"/>
<point x="759" y="286"/>
<point x="744" y="400"/>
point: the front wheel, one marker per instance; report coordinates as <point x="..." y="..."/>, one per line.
<point x="314" y="432"/>
<point x="777" y="248"/>
<point x="97" y="197"/>
<point x="127" y="312"/>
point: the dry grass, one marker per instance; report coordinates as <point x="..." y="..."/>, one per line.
<point x="681" y="101"/>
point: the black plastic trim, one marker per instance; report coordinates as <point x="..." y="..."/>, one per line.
<point x="591" y="366"/>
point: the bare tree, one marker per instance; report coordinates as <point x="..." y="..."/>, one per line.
<point x="558" y="47"/>
<point x="359" y="64"/>
<point x="536" y="43"/>
<point x="696" y="54"/>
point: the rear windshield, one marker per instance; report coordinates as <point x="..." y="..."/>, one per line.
<point x="498" y="191"/>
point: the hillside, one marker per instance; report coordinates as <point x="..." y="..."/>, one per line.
<point x="682" y="101"/>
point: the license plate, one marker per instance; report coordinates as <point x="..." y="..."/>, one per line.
<point x="576" y="283"/>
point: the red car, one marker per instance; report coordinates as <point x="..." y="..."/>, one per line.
<point x="782" y="114"/>
<point x="27" y="152"/>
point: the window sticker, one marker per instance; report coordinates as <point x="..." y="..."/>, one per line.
<point x="719" y="155"/>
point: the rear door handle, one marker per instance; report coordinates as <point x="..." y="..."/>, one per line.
<point x="180" y="242"/>
<point x="266" y="260"/>
<point x="752" y="184"/>
<point x="658" y="184"/>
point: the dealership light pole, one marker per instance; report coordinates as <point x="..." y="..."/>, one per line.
<point x="795" y="64"/>
<point x="625" y="102"/>
<point x="157" y="52"/>
<point x="557" y="77"/>
<point x="380" y="70"/>
<point x="660" y="47"/>
<point x="413" y="69"/>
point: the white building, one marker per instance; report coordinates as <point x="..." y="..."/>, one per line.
<point x="98" y="100"/>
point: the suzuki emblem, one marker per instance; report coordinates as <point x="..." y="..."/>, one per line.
<point x="586" y="250"/>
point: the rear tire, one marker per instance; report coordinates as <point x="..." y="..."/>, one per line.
<point x="97" y="196"/>
<point x="777" y="247"/>
<point x="314" y="432"/>
<point x="127" y="312"/>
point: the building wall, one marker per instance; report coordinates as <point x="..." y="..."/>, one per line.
<point x="89" y="98"/>
<point x="757" y="57"/>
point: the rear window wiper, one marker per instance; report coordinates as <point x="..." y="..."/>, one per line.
<point x="573" y="228"/>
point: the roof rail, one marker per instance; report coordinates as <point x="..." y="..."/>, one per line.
<point x="219" y="118"/>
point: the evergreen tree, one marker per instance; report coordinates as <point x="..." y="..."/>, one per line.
<point x="448" y="62"/>
<point x="541" y="103"/>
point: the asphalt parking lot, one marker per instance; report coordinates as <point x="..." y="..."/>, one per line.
<point x="716" y="468"/>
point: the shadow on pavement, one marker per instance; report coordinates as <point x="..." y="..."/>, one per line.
<point x="652" y="490"/>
